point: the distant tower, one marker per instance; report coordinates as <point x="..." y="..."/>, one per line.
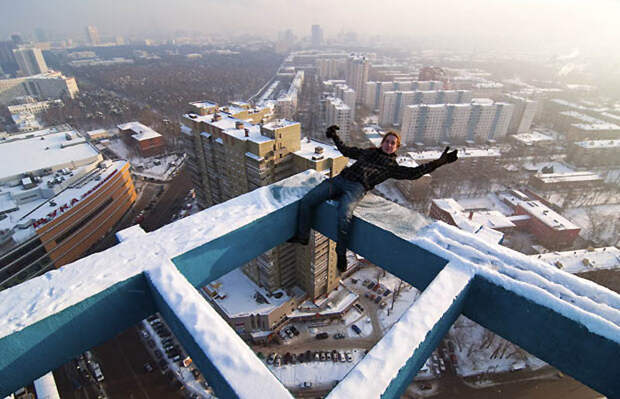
<point x="92" y="34"/>
<point x="40" y="35"/>
<point x="17" y="39"/>
<point x="30" y="61"/>
<point x="317" y="36"/>
<point x="356" y="75"/>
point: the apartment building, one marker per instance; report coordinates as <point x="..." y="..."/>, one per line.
<point x="595" y="153"/>
<point x="480" y="121"/>
<point x="228" y="157"/>
<point x="374" y="91"/>
<point x="524" y="112"/>
<point x="59" y="197"/>
<point x="393" y="103"/>
<point x="334" y="111"/>
<point x="356" y="75"/>
<point x="30" y="61"/>
<point x="43" y="86"/>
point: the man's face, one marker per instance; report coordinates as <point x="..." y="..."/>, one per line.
<point x="389" y="145"/>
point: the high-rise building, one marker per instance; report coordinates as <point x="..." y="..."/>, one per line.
<point x="334" y="111"/>
<point x="480" y="121"/>
<point x="92" y="34"/>
<point x="229" y="156"/>
<point x="7" y="59"/>
<point x="40" y="35"/>
<point x="374" y="91"/>
<point x="17" y="39"/>
<point x="317" y="36"/>
<point x="331" y="68"/>
<point x="393" y="103"/>
<point x="524" y="112"/>
<point x="43" y="86"/>
<point x="339" y="89"/>
<point x="356" y="75"/>
<point x="30" y="61"/>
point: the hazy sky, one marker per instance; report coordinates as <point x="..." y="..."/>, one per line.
<point x="534" y="23"/>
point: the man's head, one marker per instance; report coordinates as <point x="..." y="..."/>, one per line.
<point x="390" y="142"/>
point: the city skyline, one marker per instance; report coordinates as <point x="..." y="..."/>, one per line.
<point x="551" y="24"/>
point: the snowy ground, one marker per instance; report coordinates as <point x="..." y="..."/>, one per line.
<point x="598" y="223"/>
<point x="389" y="191"/>
<point x="318" y="373"/>
<point x="159" y="167"/>
<point x="480" y="351"/>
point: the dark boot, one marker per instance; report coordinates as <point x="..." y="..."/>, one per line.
<point x="342" y="263"/>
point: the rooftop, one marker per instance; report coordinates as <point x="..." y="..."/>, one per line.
<point x="44" y="149"/>
<point x="308" y="150"/>
<point x="583" y="260"/>
<point x="547" y="215"/>
<point x="140" y="131"/>
<point x="531" y="138"/>
<point x="466" y="152"/>
<point x="568" y="177"/>
<point x="238" y="296"/>
<point x="599" y="144"/>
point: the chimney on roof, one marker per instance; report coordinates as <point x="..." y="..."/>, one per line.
<point x="238" y="125"/>
<point x="216" y="117"/>
<point x="246" y="130"/>
<point x="318" y="150"/>
<point x="471" y="215"/>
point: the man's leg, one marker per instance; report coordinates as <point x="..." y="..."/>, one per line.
<point x="314" y="197"/>
<point x="352" y="195"/>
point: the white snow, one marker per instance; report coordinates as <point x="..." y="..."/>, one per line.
<point x="233" y="359"/>
<point x="583" y="260"/>
<point x="596" y="307"/>
<point x="377" y="369"/>
<point x="64" y="287"/>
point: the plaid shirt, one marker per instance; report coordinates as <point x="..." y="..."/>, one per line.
<point x="374" y="166"/>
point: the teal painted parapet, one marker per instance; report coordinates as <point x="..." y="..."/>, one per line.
<point x="51" y="342"/>
<point x="382" y="232"/>
<point x="564" y="343"/>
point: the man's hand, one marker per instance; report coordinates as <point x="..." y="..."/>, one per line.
<point x="331" y="131"/>
<point x="448" y="157"/>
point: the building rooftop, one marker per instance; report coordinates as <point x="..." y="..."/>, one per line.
<point x="602" y="126"/>
<point x="466" y="152"/>
<point x="568" y="177"/>
<point x="531" y="138"/>
<point x="53" y="195"/>
<point x="308" y="150"/>
<point x="547" y="215"/>
<point x="45" y="149"/>
<point x="141" y="132"/>
<point x="238" y="296"/>
<point x="599" y="144"/>
<point x="583" y="260"/>
<point x="203" y="104"/>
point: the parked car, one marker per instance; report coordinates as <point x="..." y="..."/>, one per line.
<point x="322" y="356"/>
<point x="356" y="329"/>
<point x="387" y="292"/>
<point x="348" y="356"/>
<point x="377" y="300"/>
<point x="294" y="330"/>
<point x="277" y="361"/>
<point x="338" y="336"/>
<point x="371" y="285"/>
<point x="147" y="367"/>
<point x="359" y="307"/>
<point x="366" y="282"/>
<point x="271" y="358"/>
<point x="163" y="365"/>
<point x="158" y="353"/>
<point x="322" y="335"/>
<point x="305" y="385"/>
<point x="342" y="357"/>
<point x="335" y="355"/>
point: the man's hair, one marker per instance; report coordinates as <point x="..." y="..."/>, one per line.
<point x="392" y="133"/>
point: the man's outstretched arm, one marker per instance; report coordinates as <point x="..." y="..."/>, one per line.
<point x="349" y="152"/>
<point x="409" y="173"/>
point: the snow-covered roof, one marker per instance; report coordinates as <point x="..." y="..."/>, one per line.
<point x="308" y="150"/>
<point x="239" y="296"/>
<point x="466" y="152"/>
<point x="75" y="187"/>
<point x="203" y="104"/>
<point x="547" y="215"/>
<point x="599" y="144"/>
<point x="44" y="150"/>
<point x="568" y="177"/>
<point x="530" y="138"/>
<point x="140" y="131"/>
<point x="583" y="260"/>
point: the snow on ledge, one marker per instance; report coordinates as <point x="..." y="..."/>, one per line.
<point x="594" y="306"/>
<point x="34" y="300"/>
<point x="236" y="362"/>
<point x="379" y="367"/>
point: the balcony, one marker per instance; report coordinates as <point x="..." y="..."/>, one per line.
<point x="571" y="323"/>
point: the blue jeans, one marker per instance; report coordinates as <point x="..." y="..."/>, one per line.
<point x="349" y="194"/>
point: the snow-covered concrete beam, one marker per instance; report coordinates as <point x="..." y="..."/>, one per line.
<point x="233" y="370"/>
<point x="389" y="367"/>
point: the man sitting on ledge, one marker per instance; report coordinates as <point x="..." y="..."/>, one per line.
<point x="373" y="166"/>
